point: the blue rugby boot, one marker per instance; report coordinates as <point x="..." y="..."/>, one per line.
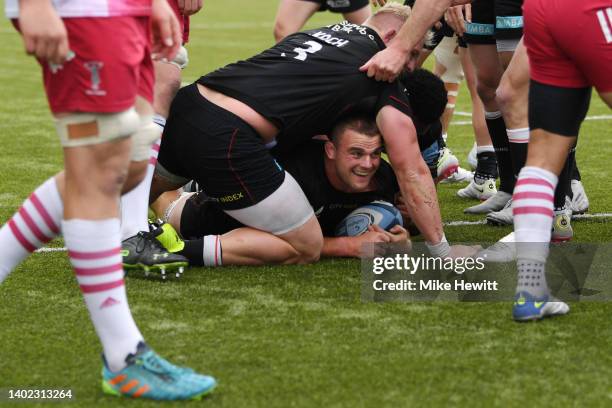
<point x="526" y="307"/>
<point x="147" y="375"/>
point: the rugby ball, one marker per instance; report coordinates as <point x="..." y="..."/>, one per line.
<point x="378" y="212"/>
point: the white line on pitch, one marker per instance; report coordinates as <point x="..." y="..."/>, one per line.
<point x="468" y="122"/>
<point x="479" y="222"/>
<point x="446" y="224"/>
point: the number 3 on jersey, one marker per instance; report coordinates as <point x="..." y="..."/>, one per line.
<point x="302" y="53"/>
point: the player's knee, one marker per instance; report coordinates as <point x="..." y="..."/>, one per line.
<point x="505" y="96"/>
<point x="310" y="252"/>
<point x="144" y="137"/>
<point x="87" y="129"/>
<point x="135" y="175"/>
<point x="486" y="92"/>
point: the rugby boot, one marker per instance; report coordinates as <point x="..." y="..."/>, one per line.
<point x="494" y="203"/>
<point x="562" y="230"/>
<point x="527" y="307"/>
<point x="501" y="217"/>
<point x="580" y="201"/>
<point x="147" y="375"/>
<point x="480" y="192"/>
<point x="144" y="252"/>
<point x="447" y="165"/>
<point x="502" y="251"/>
<point x="460" y="176"/>
<point x="169" y="238"/>
<point x="472" y="158"/>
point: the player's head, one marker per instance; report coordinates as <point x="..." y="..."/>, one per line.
<point x="427" y="95"/>
<point x="352" y="156"/>
<point x="388" y="20"/>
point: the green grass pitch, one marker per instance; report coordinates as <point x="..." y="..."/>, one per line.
<point x="293" y="336"/>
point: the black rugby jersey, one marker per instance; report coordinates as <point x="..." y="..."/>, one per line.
<point x="305" y="82"/>
<point x="201" y="217"/>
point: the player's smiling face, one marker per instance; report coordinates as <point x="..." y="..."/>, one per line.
<point x="357" y="158"/>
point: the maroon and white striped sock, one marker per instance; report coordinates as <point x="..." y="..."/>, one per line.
<point x="532" y="207"/>
<point x="35" y="223"/>
<point x="94" y="249"/>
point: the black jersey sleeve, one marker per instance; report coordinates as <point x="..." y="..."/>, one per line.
<point x="394" y="94"/>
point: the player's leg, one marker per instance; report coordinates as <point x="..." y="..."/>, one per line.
<point x="488" y="72"/>
<point x="34" y="224"/>
<point x="359" y="12"/>
<point x="230" y="162"/>
<point x="292" y="15"/>
<point x="140" y="248"/>
<point x="484" y="161"/>
<point x="448" y="68"/>
<point x="134" y="204"/>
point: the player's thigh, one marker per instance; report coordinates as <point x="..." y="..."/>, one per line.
<point x="487" y="67"/>
<point x="293" y="14"/>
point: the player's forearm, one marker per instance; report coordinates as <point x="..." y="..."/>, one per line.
<point x="424" y="14"/>
<point x="340" y="247"/>
<point x="421" y="200"/>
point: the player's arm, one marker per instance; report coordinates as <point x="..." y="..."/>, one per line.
<point x="44" y="33"/>
<point x="415" y="182"/>
<point x="403" y="49"/>
<point x="351" y="246"/>
<point x="167" y="36"/>
<point x="413" y="176"/>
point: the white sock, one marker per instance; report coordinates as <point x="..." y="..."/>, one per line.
<point x="532" y="207"/>
<point x="211" y="252"/>
<point x="35" y="223"/>
<point x="135" y="204"/>
<point x="94" y="249"/>
<point x="486" y="148"/>
<point x="518" y="135"/>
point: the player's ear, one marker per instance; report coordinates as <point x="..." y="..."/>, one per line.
<point x="388" y="35"/>
<point x="330" y="150"/>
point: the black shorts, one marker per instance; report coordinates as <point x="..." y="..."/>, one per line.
<point x="341" y="6"/>
<point x="201" y="217"/>
<point x="218" y="150"/>
<point x="495" y="19"/>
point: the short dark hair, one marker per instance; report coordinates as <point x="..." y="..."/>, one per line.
<point x="356" y="121"/>
<point x="426" y="93"/>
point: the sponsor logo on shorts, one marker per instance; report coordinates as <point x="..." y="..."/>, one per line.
<point x="232" y="197"/>
<point x="338" y="3"/>
<point x="479" y="29"/>
<point x="508" y="22"/>
<point x="94" y="68"/>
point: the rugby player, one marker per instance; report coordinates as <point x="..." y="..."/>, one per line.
<point x="218" y="129"/>
<point x="100" y="89"/>
<point x="337" y="176"/>
<point x="140" y="249"/>
<point x="569" y="45"/>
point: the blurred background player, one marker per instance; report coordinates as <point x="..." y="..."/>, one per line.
<point x="562" y="75"/>
<point x="293" y="14"/>
<point x="99" y="89"/>
<point x="452" y="64"/>
<point x="337" y="176"/>
<point x="140" y="249"/>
